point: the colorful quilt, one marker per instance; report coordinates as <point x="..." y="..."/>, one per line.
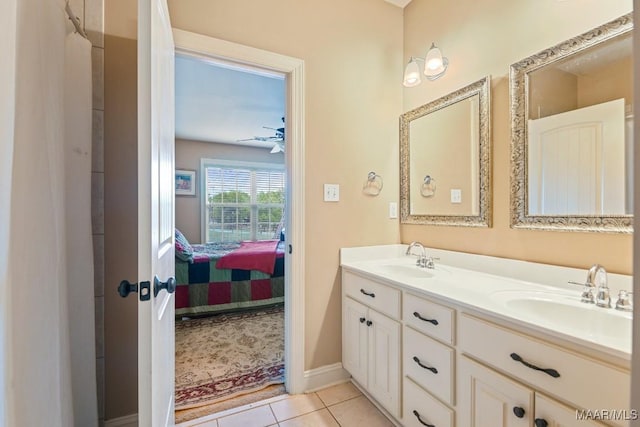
<point x="204" y="289"/>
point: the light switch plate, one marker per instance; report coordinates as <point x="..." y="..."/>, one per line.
<point x="393" y="210"/>
<point x="456" y="195"/>
<point x="331" y="192"/>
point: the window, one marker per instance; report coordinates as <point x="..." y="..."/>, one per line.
<point x="243" y="201"/>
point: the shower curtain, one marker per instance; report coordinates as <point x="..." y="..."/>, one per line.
<point x="49" y="317"/>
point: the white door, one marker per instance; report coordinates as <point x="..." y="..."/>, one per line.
<point x="489" y="399"/>
<point x="576" y="162"/>
<point x="354" y="339"/>
<point x="155" y="214"/>
<point x="550" y="413"/>
<point x="384" y="361"/>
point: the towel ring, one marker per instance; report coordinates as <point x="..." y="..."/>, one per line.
<point x="373" y="185"/>
<point x="428" y="187"/>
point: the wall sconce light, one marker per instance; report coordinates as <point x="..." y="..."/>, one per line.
<point x="435" y="65"/>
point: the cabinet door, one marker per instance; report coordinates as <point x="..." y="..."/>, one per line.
<point x="550" y="413"/>
<point x="489" y="399"/>
<point x="354" y="340"/>
<point x="384" y="361"/>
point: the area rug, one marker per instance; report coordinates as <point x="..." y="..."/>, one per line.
<point x="228" y="355"/>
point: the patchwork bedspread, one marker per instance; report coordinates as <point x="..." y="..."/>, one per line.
<point x="204" y="289"/>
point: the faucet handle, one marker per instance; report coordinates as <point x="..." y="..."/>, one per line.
<point x="587" y="291"/>
<point x="603" y="298"/>
<point x="624" y="302"/>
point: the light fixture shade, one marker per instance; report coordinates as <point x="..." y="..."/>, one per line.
<point x="411" y="74"/>
<point x="435" y="65"/>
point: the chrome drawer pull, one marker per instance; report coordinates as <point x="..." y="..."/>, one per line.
<point x="420" y="419"/>
<point x="372" y="295"/>
<point x="434" y="370"/>
<point x="551" y="372"/>
<point x="434" y="321"/>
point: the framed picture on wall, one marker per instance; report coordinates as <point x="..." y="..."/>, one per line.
<point x="185" y="182"/>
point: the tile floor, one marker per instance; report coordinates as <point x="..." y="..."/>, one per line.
<point x="341" y="405"/>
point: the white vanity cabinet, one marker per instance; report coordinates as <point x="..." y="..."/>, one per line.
<point x="371" y="340"/>
<point x="490" y="399"/>
<point x="546" y="369"/>
<point x="434" y="348"/>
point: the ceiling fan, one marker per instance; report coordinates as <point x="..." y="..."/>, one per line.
<point x="277" y="138"/>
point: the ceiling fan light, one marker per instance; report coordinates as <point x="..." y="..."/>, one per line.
<point x="411" y="74"/>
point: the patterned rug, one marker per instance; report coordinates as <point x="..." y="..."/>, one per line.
<point x="227" y="355"/>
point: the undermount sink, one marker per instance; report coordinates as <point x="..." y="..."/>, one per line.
<point x="551" y="309"/>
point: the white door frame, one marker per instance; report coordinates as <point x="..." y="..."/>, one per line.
<point x="293" y="69"/>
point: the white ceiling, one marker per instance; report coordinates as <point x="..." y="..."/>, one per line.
<point x="219" y="102"/>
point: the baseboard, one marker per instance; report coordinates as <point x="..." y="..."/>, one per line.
<point x="324" y="376"/>
<point x="127" y="421"/>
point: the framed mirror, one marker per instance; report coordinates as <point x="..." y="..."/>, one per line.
<point x="445" y="160"/>
<point x="572" y="134"/>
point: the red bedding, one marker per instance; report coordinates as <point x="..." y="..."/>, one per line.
<point x="260" y="256"/>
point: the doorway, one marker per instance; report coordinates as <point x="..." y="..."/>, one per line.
<point x="291" y="69"/>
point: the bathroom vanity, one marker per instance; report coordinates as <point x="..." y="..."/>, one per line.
<point x="482" y="341"/>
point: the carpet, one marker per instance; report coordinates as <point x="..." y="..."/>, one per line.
<point x="228" y="355"/>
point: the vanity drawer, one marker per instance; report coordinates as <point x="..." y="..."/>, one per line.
<point x="428" y="317"/>
<point x="382" y="298"/>
<point x="427" y="408"/>
<point x="588" y="383"/>
<point x="436" y="374"/>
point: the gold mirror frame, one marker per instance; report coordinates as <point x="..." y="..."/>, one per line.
<point x="519" y="92"/>
<point x="483" y="219"/>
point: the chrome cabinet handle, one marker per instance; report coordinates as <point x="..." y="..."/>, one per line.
<point x="550" y="372"/>
<point x="433" y="321"/>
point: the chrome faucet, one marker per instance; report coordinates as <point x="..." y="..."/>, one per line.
<point x="422" y="261"/>
<point x="597" y="276"/>
<point x="596" y="280"/>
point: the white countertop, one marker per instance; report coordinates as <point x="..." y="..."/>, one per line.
<point x="530" y="295"/>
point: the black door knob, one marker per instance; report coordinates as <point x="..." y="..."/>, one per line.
<point x="362" y="319"/>
<point x="540" y="422"/>
<point x="518" y="411"/>
<point x="369" y="323"/>
<point x="125" y="288"/>
<point x="169" y="285"/>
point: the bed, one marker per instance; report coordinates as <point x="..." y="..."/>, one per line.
<point x="204" y="288"/>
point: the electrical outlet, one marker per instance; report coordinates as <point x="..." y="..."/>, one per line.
<point x="331" y="192"/>
<point x="393" y="210"/>
<point x="456" y="196"/>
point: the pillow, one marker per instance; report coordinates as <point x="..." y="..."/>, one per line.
<point x="184" y="250"/>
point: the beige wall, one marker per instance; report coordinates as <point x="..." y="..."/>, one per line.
<point x="353" y="60"/>
<point x="188" y="155"/>
<point x="611" y="82"/>
<point x="485" y="38"/>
